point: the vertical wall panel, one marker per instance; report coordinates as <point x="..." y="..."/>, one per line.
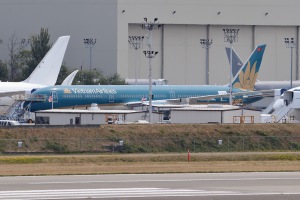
<point x="277" y="58"/>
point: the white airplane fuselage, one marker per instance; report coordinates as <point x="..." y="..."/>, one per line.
<point x="18" y="87"/>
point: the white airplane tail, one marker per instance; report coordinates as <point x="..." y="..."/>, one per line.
<point x="70" y="78"/>
<point x="47" y="71"/>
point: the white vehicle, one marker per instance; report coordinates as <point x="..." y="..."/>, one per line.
<point x="9" y="123"/>
<point x="141" y="122"/>
<point x="45" y="74"/>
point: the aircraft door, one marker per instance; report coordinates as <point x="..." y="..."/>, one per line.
<point x="111" y="98"/>
<point x="172" y="95"/>
<point x="53" y="97"/>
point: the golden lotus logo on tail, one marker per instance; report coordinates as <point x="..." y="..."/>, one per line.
<point x="247" y="79"/>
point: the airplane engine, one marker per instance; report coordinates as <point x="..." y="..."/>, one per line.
<point x="279" y="103"/>
<point x="6" y="101"/>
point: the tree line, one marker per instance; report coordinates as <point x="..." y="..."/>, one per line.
<point x="23" y="61"/>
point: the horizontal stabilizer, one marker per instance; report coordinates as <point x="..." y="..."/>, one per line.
<point x="237" y="63"/>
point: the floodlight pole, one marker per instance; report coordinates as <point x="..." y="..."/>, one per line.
<point x="136" y="42"/>
<point x="150" y="54"/>
<point x="206" y="44"/>
<point x="230" y="35"/>
<point x="290" y="43"/>
<point x="90" y="43"/>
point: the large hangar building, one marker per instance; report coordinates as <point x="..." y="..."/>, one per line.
<point x="181" y="58"/>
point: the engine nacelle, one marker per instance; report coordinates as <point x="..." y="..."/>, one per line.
<point x="278" y="103"/>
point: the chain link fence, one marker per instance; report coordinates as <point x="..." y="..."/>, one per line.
<point x="149" y="144"/>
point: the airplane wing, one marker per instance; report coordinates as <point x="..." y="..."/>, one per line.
<point x="246" y="94"/>
<point x="181" y="101"/>
<point x="70" y="78"/>
<point x="12" y="93"/>
<point x="8" y="98"/>
<point x="134" y="104"/>
<point x="159" y="102"/>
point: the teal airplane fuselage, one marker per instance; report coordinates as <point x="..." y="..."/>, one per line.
<point x="85" y="95"/>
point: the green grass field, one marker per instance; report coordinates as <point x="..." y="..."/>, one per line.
<point x="148" y="163"/>
<point x="149" y="149"/>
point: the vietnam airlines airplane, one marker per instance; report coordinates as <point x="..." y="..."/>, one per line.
<point x="85" y="95"/>
<point x="45" y="74"/>
<point x="260" y="85"/>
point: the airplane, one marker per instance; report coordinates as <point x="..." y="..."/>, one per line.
<point x="45" y="74"/>
<point x="85" y="95"/>
<point x="237" y="63"/>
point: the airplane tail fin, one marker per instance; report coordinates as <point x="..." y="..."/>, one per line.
<point x="237" y="63"/>
<point x="47" y="71"/>
<point x="70" y="78"/>
<point x="245" y="78"/>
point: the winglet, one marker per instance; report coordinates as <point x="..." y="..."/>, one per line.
<point x="47" y="71"/>
<point x="245" y="79"/>
<point x="70" y="78"/>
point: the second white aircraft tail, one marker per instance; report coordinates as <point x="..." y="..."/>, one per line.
<point x="47" y="71"/>
<point x="69" y="79"/>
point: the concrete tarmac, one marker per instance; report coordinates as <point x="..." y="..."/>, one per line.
<point x="206" y="186"/>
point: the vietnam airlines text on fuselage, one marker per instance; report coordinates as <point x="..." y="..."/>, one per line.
<point x="71" y="96"/>
<point x="91" y="91"/>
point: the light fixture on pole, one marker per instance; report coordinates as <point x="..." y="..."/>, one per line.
<point x="206" y="44"/>
<point x="150" y="54"/>
<point x="90" y="43"/>
<point x="290" y="43"/>
<point x="136" y="42"/>
<point x="230" y="35"/>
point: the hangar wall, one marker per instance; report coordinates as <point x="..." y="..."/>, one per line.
<point x="181" y="58"/>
